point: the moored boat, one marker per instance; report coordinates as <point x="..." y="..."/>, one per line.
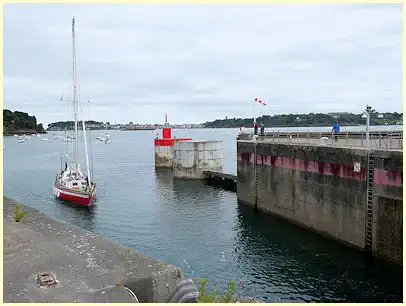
<point x="71" y="184"/>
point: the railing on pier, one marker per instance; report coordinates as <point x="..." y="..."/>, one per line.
<point x="386" y="140"/>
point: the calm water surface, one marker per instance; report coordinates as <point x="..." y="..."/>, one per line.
<point x="201" y="229"/>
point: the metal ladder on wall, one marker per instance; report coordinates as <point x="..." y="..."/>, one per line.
<point x="256" y="173"/>
<point x="369" y="214"/>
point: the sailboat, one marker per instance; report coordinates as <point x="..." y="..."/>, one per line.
<point x="107" y="135"/>
<point x="71" y="184"/>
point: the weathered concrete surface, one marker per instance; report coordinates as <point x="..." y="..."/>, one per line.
<point x="325" y="189"/>
<point x="387" y="241"/>
<point x="88" y="268"/>
<point x="164" y="157"/>
<point x="191" y="158"/>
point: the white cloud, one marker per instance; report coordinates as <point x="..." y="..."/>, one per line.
<point x="201" y="62"/>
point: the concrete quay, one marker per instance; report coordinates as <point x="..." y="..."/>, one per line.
<point x="349" y="194"/>
<point x="192" y="158"/>
<point x="88" y="268"/>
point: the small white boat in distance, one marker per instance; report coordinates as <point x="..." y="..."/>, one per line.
<point x="68" y="139"/>
<point x="20" y="139"/>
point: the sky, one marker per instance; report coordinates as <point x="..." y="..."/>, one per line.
<point x="201" y="62"/>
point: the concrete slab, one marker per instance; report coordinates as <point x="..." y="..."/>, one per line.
<point x="87" y="268"/>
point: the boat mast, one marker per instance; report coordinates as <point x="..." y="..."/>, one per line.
<point x="76" y="102"/>
<point x="87" y="156"/>
<point x="75" y="98"/>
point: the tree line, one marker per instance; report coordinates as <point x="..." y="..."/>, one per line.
<point x="19" y="123"/>
<point x="70" y="125"/>
<point x="311" y="119"/>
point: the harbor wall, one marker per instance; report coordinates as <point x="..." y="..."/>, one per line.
<point x="325" y="189"/>
<point x="88" y="268"/>
<point x="191" y="158"/>
<point x="387" y="239"/>
<point x="164" y="156"/>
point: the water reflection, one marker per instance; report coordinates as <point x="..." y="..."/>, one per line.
<point x="164" y="180"/>
<point x="180" y="221"/>
<point x="78" y="215"/>
<point x="303" y="265"/>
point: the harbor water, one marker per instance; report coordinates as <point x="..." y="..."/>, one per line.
<point x="201" y="229"/>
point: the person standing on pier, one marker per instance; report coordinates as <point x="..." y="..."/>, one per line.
<point x="336" y="130"/>
<point x="262" y="129"/>
<point x="255" y="128"/>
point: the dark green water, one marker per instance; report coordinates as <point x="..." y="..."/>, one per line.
<point x="201" y="229"/>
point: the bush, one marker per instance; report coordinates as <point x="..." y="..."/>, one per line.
<point x="19" y="214"/>
<point x="213" y="297"/>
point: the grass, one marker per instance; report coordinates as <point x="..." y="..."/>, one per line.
<point x="213" y="297"/>
<point x="19" y="214"/>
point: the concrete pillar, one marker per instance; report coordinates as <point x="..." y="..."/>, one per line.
<point x="164" y="155"/>
<point x="191" y="158"/>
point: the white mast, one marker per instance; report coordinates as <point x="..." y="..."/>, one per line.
<point x="75" y="98"/>
<point x="75" y="78"/>
<point x="87" y="157"/>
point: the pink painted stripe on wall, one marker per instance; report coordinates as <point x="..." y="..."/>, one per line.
<point x="381" y="176"/>
<point x="388" y="177"/>
<point x="312" y="166"/>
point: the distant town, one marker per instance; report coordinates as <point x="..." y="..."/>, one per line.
<point x="19" y="122"/>
<point x="95" y="125"/>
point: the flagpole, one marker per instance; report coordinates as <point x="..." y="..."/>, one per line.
<point x="254" y="110"/>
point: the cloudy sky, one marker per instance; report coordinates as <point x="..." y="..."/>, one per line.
<point x="200" y="62"/>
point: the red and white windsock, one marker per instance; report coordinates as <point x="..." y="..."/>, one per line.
<point x="260" y="101"/>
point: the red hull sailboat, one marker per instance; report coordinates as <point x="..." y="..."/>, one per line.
<point x="71" y="184"/>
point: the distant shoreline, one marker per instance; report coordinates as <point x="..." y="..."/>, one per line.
<point x="26" y="132"/>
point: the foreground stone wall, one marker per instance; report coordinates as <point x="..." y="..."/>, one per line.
<point x="88" y="268"/>
<point x="325" y="189"/>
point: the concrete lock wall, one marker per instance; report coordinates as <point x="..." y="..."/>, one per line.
<point x="163" y="156"/>
<point x="387" y="234"/>
<point x="325" y="189"/>
<point x="191" y="158"/>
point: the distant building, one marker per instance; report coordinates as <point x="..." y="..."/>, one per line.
<point x="337" y="115"/>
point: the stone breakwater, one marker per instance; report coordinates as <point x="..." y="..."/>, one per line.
<point x="86" y="267"/>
